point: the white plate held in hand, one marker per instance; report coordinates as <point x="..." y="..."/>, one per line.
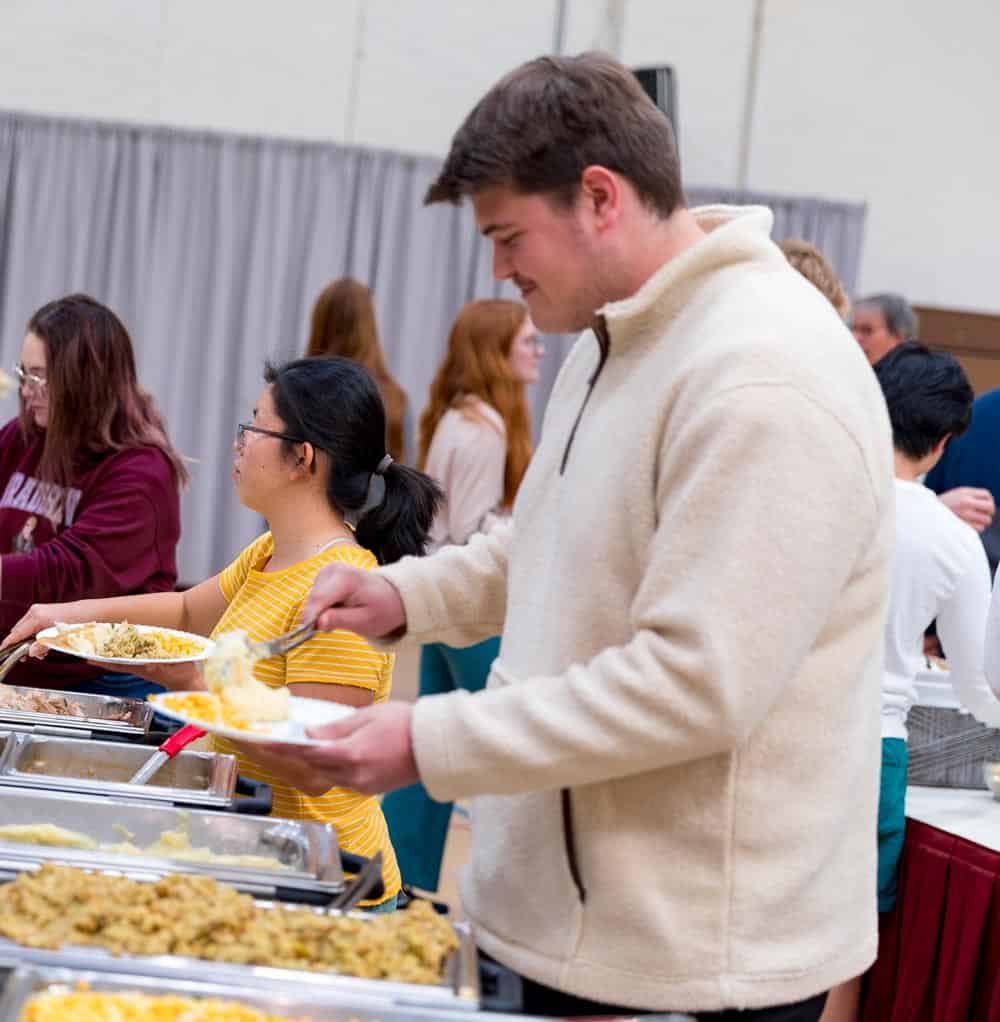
<point x="302" y="713"/>
<point x="50" y="637"/>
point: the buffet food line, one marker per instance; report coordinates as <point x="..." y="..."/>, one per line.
<point x="183" y="895"/>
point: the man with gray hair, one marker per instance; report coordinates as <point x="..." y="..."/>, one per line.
<point x="882" y="321"/>
<point x="879" y="323"/>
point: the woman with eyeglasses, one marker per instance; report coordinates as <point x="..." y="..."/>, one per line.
<point x="475" y="440"/>
<point x="89" y="482"/>
<point x="313" y="462"/>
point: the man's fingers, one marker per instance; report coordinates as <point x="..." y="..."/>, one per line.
<point x="351" y="619"/>
<point x="333" y="585"/>
<point x="338" y="729"/>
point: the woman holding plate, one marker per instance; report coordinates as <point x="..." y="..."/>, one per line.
<point x="89" y="482"/>
<point x="313" y="463"/>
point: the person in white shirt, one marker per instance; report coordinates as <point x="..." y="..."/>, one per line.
<point x="939" y="571"/>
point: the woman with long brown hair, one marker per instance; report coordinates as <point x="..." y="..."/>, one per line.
<point x="475" y="441"/>
<point x="343" y="323"/>
<point x="90" y="482"/>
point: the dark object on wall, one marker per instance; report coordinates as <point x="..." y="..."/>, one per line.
<point x="660" y="84"/>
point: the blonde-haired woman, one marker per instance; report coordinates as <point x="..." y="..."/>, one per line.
<point x="343" y="323"/>
<point x="475" y="441"/>
<point x="816" y="268"/>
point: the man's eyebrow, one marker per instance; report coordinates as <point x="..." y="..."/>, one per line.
<point x="487" y="231"/>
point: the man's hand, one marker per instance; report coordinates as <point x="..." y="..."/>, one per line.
<point x="974" y="506"/>
<point x="355" y="600"/>
<point x="370" y="751"/>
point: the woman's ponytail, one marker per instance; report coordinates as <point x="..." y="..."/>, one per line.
<point x="399" y="524"/>
<point x="334" y="405"/>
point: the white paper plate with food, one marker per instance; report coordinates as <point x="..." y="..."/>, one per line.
<point x="126" y="644"/>
<point x="212" y="713"/>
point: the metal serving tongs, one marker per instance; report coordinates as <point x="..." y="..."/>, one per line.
<point x="367" y="883"/>
<point x="10" y="656"/>
<point x="177" y="741"/>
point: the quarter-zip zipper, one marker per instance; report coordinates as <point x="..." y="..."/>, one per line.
<point x="569" y="837"/>
<point x="604" y="341"/>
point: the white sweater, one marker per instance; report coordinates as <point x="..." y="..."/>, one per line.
<point x="939" y="571"/>
<point x="678" y="750"/>
<point x="467" y="457"/>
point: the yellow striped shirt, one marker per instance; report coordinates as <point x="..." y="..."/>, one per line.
<point x="267" y="603"/>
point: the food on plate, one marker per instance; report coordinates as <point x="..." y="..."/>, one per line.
<point x="197" y="917"/>
<point x="228" y="672"/>
<point x="171" y="844"/>
<point x="83" y="1004"/>
<point x="125" y="641"/>
<point x="202" y="708"/>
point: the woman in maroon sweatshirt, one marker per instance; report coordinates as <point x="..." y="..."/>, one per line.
<point x="89" y="482"/>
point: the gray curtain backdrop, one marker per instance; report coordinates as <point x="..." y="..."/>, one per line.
<point x="213" y="247"/>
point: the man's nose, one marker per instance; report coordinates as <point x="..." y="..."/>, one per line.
<point x="501" y="264"/>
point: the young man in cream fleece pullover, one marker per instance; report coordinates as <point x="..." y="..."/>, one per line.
<point x="677" y="754"/>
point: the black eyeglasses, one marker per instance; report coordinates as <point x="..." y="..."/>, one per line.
<point x="248" y="427"/>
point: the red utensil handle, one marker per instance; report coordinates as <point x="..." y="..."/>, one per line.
<point x="181" y="739"/>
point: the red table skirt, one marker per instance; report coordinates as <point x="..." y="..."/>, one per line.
<point x="939" y="951"/>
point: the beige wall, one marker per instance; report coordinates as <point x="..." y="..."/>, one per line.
<point x="890" y="101"/>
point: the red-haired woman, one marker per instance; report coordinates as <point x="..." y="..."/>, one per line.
<point x="89" y="482"/>
<point x="343" y="323"/>
<point x="475" y="441"/>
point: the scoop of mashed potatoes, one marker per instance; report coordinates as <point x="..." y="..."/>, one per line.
<point x="229" y="674"/>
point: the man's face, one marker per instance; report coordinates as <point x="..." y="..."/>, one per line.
<point x="870" y="331"/>
<point x="548" y="251"/>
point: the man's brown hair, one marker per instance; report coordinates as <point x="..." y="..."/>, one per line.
<point x="545" y="122"/>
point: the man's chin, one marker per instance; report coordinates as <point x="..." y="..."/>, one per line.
<point x="556" y="321"/>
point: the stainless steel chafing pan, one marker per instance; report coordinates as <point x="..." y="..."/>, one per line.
<point x="192" y="778"/>
<point x="458" y="989"/>
<point x="101" y="715"/>
<point x="307" y="859"/>
<point x="317" y="1006"/>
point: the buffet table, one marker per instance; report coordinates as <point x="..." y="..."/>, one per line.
<point x="939" y="951"/>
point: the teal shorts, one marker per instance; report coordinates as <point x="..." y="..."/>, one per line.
<point x="891" y="818"/>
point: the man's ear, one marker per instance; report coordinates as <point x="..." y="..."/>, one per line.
<point x="602" y="194"/>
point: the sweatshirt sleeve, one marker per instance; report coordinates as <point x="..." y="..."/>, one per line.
<point x="458" y="595"/>
<point x="992" y="639"/>
<point x="125" y="532"/>
<point x="961" y="623"/>
<point x="779" y="501"/>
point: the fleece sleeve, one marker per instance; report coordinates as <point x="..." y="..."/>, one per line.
<point x="459" y="594"/>
<point x="765" y="503"/>
<point x="123" y="534"/>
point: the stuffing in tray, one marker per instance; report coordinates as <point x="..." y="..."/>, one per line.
<point x="197" y="917"/>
